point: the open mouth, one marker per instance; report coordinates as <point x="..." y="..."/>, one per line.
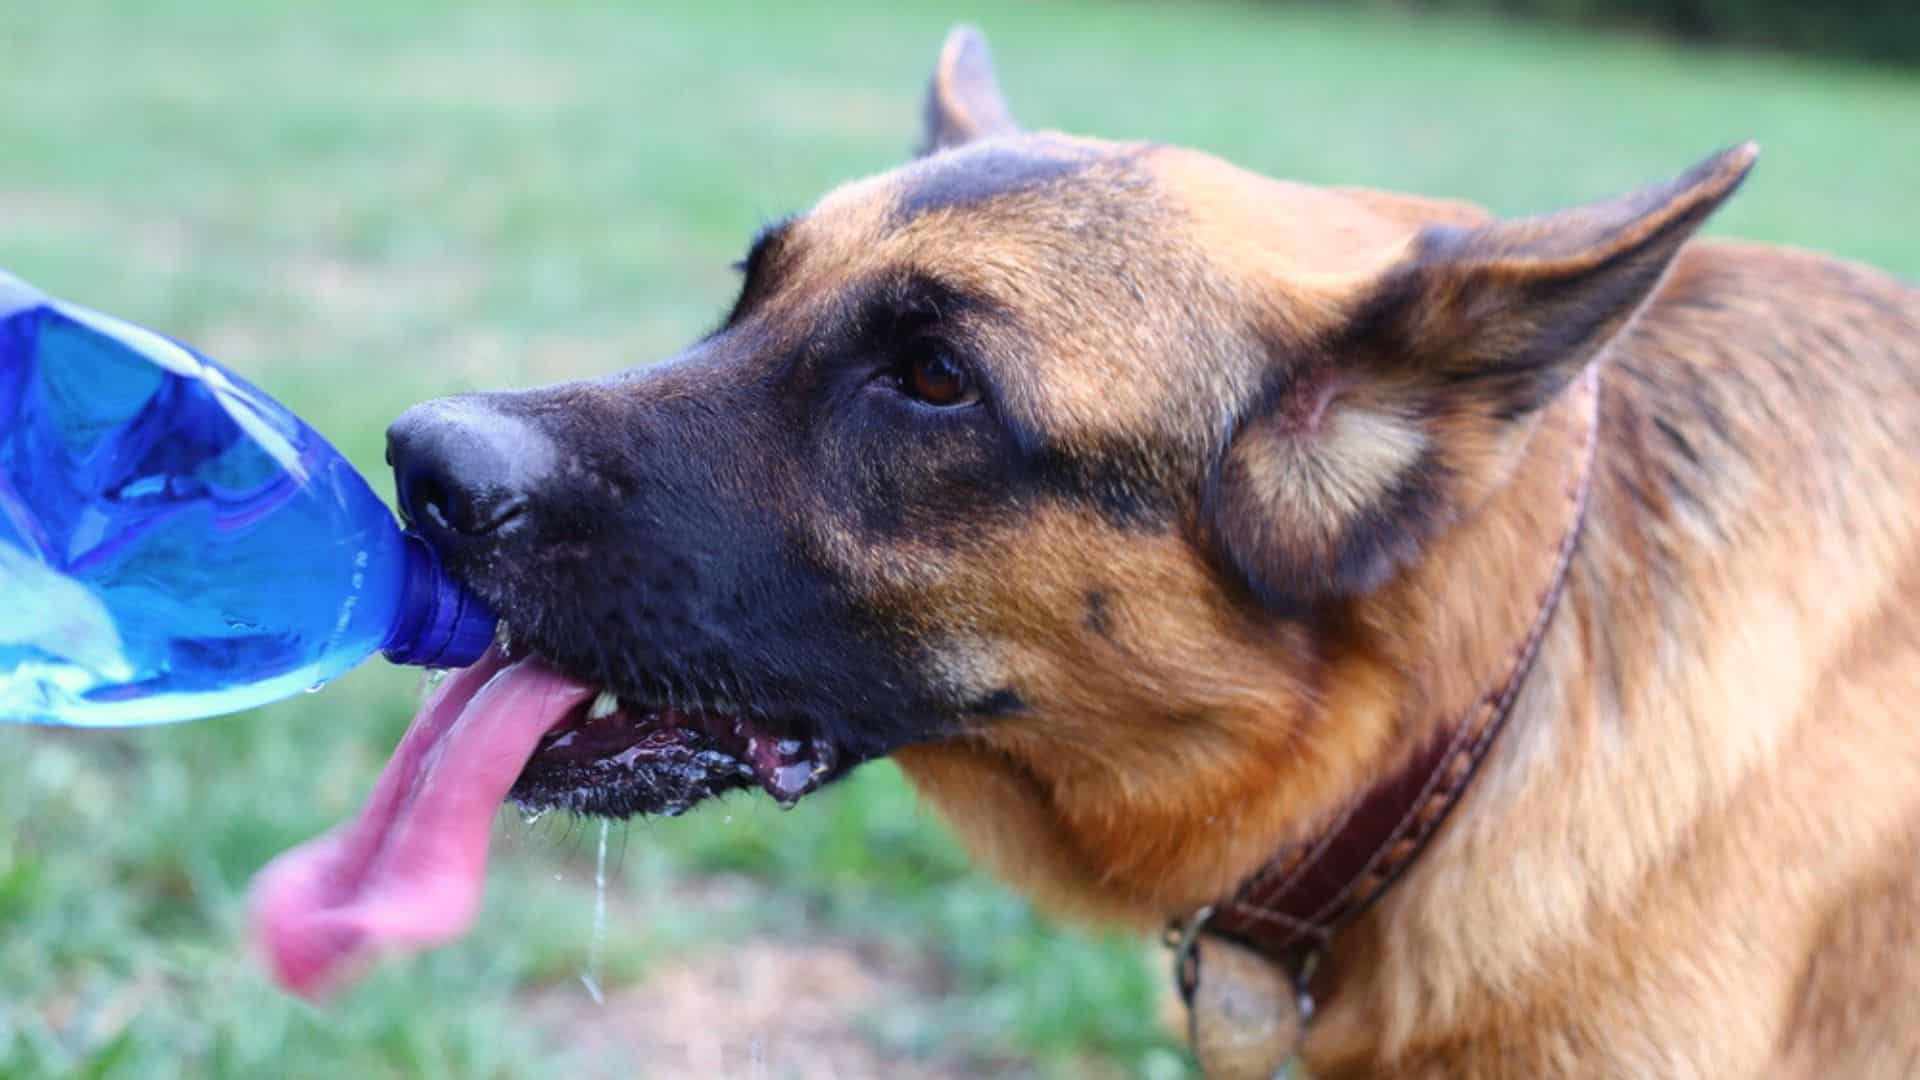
<point x="408" y="872"/>
<point x="614" y="757"/>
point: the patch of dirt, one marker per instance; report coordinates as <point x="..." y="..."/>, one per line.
<point x="758" y="1009"/>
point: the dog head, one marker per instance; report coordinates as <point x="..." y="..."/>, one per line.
<point x="1075" y="474"/>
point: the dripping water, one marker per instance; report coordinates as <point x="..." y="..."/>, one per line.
<point x="590" y="978"/>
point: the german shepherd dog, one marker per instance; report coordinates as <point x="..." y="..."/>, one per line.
<point x="1154" y="516"/>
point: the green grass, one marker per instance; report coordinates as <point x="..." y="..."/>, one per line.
<point x="366" y="203"/>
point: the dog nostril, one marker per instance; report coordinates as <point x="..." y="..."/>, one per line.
<point x="429" y="501"/>
<point x="478" y="517"/>
<point x="462" y="470"/>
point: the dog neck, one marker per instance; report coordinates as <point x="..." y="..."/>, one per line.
<point x="1293" y="906"/>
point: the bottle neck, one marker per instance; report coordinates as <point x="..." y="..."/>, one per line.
<point x="440" y="624"/>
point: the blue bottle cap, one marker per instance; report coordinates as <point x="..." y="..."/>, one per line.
<point x="440" y="623"/>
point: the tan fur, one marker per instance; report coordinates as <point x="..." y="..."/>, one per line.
<point x="1693" y="850"/>
<point x="1660" y="859"/>
<point x="1668" y="867"/>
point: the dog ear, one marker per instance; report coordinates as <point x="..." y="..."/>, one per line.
<point x="1510" y="312"/>
<point x="963" y="99"/>
<point x="1351" y="459"/>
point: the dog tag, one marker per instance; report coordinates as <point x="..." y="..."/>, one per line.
<point x="1244" y="1021"/>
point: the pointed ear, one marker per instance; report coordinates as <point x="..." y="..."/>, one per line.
<point x="963" y="99"/>
<point x="1369" y="443"/>
<point x="1510" y="312"/>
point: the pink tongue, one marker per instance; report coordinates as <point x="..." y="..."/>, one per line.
<point x="408" y="872"/>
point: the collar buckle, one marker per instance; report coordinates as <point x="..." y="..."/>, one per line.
<point x="1182" y="937"/>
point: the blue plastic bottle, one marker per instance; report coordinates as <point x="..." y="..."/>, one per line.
<point x="175" y="544"/>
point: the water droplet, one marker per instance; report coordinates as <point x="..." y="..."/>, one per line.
<point x="789" y="782"/>
<point x="532" y="817"/>
<point x="590" y="978"/>
<point x="728" y="820"/>
<point x="317" y="687"/>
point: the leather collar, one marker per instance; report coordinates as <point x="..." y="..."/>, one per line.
<point x="1291" y="908"/>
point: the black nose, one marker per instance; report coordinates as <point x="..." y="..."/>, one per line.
<point x="464" y="470"/>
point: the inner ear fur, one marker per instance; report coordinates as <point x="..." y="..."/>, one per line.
<point x="1337" y="476"/>
<point x="964" y="102"/>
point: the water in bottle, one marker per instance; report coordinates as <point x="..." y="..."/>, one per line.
<point x="176" y="544"/>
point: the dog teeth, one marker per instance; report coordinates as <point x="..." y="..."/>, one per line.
<point x="603" y="706"/>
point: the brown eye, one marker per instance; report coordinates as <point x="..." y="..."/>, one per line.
<point x="930" y="374"/>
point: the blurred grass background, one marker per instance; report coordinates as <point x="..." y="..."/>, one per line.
<point x="362" y="204"/>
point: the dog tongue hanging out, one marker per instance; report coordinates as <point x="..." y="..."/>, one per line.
<point x="1161" y="520"/>
<point x="408" y="872"/>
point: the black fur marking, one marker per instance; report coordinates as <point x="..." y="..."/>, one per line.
<point x="1098" y="620"/>
<point x="1678" y="439"/>
<point x="1571" y="319"/>
<point x="1116" y="481"/>
<point x="1681" y="420"/>
<point x="1377" y="330"/>
<point x="967" y="179"/>
<point x="761" y="268"/>
<point x="890" y="309"/>
<point x="1005" y="701"/>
